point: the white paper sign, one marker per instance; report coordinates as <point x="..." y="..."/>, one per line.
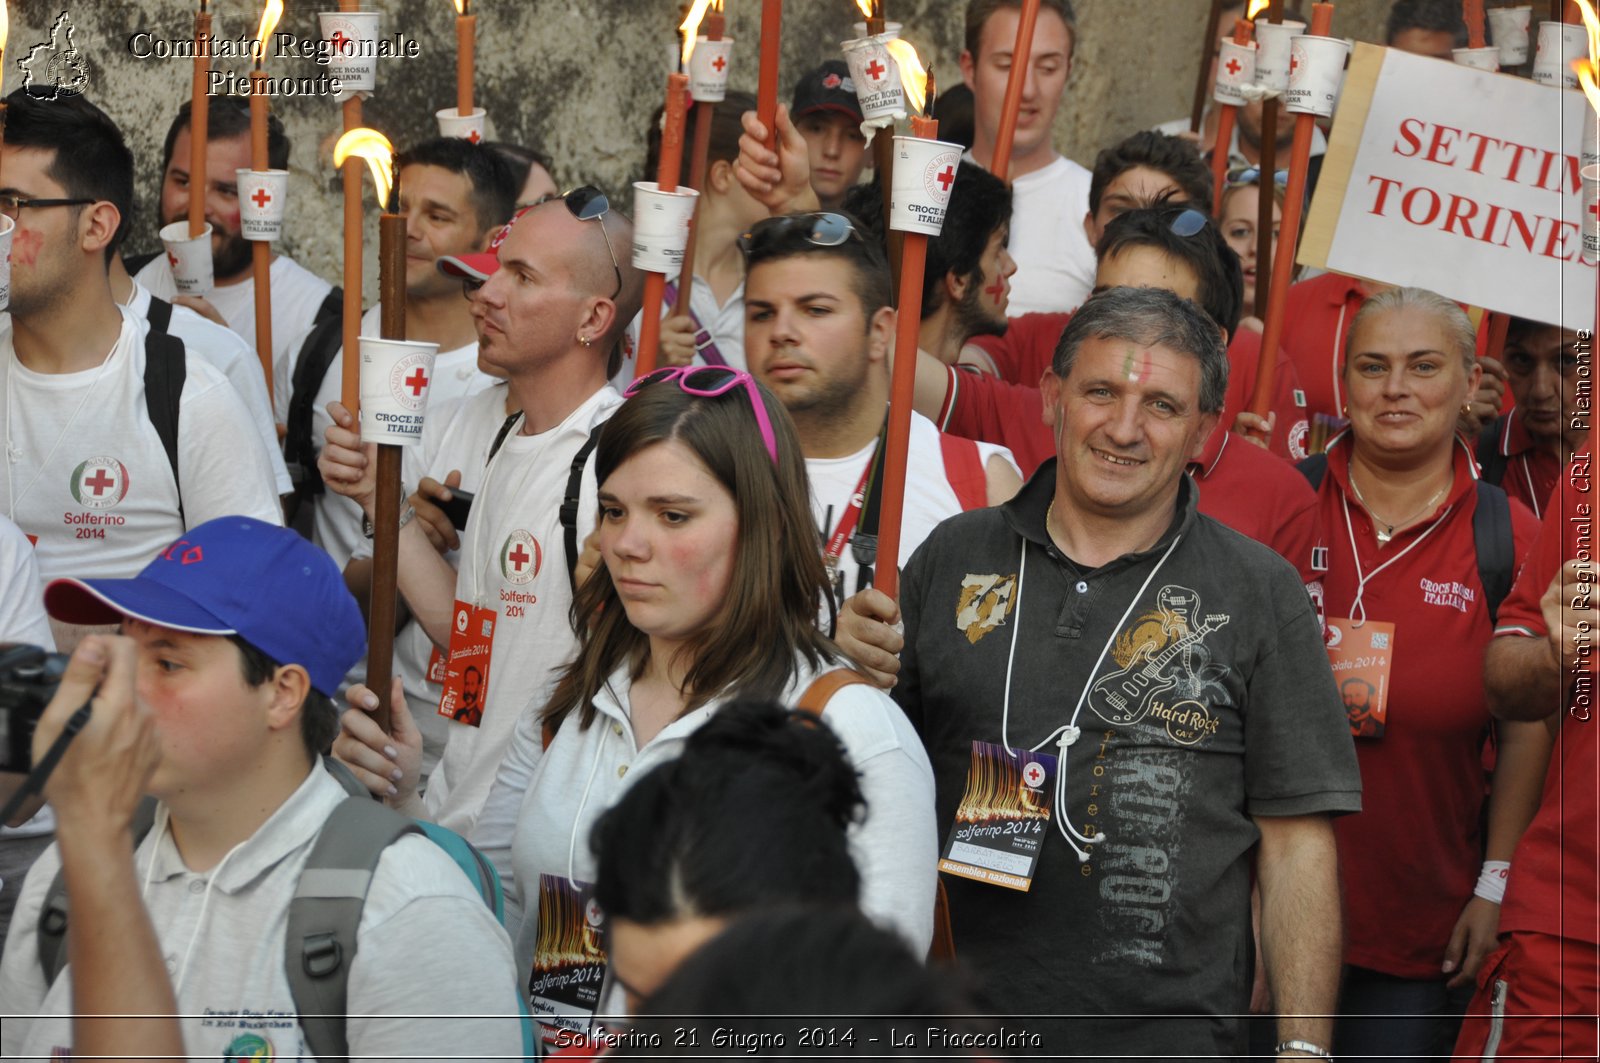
<point x="1467" y="183"/>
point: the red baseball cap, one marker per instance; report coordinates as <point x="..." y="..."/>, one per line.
<point x="480" y="265"/>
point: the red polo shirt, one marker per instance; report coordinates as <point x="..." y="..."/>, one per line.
<point x="1028" y="348"/>
<point x="1554" y="886"/>
<point x="1531" y="470"/>
<point x="1261" y="496"/>
<point x="1410" y="858"/>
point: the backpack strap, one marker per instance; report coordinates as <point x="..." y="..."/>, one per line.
<point x="332" y="306"/>
<point x="1495" y="545"/>
<point x="963" y="468"/>
<point x="165" y="369"/>
<point x="569" y="504"/>
<point x="325" y="912"/>
<point x="1491" y="460"/>
<point x="311" y="365"/>
<point x="52" y="925"/>
<point x="159" y="314"/>
<point x="705" y="344"/>
<point x="500" y="436"/>
<point x="1313" y="468"/>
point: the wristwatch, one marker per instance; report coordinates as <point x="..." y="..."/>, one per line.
<point x="1304" y="1047"/>
<point x="406" y="516"/>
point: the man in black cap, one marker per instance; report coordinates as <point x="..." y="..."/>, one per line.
<point x="829" y="117"/>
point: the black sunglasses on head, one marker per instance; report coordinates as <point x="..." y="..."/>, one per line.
<point x="820" y="228"/>
<point x="590" y="204"/>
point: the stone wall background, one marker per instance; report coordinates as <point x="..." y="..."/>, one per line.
<point x="579" y="79"/>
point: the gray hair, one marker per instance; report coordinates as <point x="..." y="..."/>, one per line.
<point x="1151" y="317"/>
<point x="1457" y="326"/>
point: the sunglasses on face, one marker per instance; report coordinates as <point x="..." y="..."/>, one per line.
<point x="709" y="382"/>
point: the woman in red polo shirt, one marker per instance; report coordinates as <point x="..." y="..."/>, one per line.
<point x="1408" y="621"/>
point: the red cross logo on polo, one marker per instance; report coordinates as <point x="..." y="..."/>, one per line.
<point x="520" y="557"/>
<point x="99" y="483"/>
<point x="1033" y="775"/>
<point x="261" y="197"/>
<point x="409" y="380"/>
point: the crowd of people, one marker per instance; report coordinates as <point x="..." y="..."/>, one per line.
<point x="1304" y="763"/>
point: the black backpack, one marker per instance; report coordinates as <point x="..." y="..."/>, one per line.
<point x="1491" y="534"/>
<point x="311" y="365"/>
<point x="165" y="369"/>
<point x="1491" y="462"/>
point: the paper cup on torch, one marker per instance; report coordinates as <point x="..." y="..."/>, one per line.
<point x="453" y="123"/>
<point x="1509" y="28"/>
<point x="708" y="70"/>
<point x="396" y="376"/>
<point x="1477" y="58"/>
<point x="1559" y="44"/>
<point x="891" y="30"/>
<point x="924" y="173"/>
<point x="876" y="76"/>
<point x="1316" y="73"/>
<point x="190" y="258"/>
<point x="352" y="38"/>
<point x="1591" y="214"/>
<point x="1589" y="152"/>
<point x="1272" y="53"/>
<point x="262" y="196"/>
<point x="1236" y="68"/>
<point x="8" y="226"/>
<point x="660" y="226"/>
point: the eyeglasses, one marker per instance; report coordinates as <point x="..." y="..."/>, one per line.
<point x="708" y="382"/>
<point x="590" y="204"/>
<point x="1188" y="223"/>
<point x="1251" y="175"/>
<point x="11" y="206"/>
<point x="821" y="229"/>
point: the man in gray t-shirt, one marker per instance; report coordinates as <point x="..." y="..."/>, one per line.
<point x="1177" y="670"/>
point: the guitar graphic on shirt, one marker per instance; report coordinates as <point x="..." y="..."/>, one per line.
<point x="1130" y="691"/>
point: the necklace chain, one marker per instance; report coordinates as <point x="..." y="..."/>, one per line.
<point x="1387" y="531"/>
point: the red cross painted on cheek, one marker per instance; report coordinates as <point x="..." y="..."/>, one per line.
<point x="997" y="290"/>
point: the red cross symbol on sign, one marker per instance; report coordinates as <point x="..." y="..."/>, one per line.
<point x="1033" y="775"/>
<point x="519" y="557"/>
<point x="876" y="70"/>
<point x="947" y="178"/>
<point x="339" y="40"/>
<point x="719" y="64"/>
<point x="99" y="481"/>
<point x="261" y="197"/>
<point x="417" y="381"/>
<point x="1233" y="67"/>
<point x="997" y="290"/>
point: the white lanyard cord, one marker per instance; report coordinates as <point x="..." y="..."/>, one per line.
<point x="1069" y="733"/>
<point x="1358" y="610"/>
<point x="1338" y="400"/>
<point x="1533" y="488"/>
<point x="572" y="842"/>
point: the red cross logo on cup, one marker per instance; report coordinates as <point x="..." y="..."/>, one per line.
<point x="947" y="178"/>
<point x="876" y="70"/>
<point x="1594" y="208"/>
<point x="1033" y="775"/>
<point x="719" y="64"/>
<point x="417" y="382"/>
<point x="261" y="197"/>
<point x="339" y="40"/>
<point x="1294" y="63"/>
<point x="172" y="260"/>
<point x="1233" y="67"/>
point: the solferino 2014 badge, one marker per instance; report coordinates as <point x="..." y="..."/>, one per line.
<point x="1003" y="818"/>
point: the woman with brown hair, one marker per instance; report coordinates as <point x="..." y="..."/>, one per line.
<point x="708" y="593"/>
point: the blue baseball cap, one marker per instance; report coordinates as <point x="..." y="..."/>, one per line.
<point x="235" y="576"/>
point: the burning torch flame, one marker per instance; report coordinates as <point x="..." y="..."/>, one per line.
<point x="369" y="144"/>
<point x="5" y="27"/>
<point x="461" y="7"/>
<point x="1256" y="7"/>
<point x="912" y="74"/>
<point x="1588" y="70"/>
<point x="691" y="27"/>
<point x="269" y="22"/>
<point x="866" y="8"/>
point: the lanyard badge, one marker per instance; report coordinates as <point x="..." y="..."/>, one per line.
<point x="569" y="959"/>
<point x="466" y="665"/>
<point x="1361" y="657"/>
<point x="1004" y="816"/>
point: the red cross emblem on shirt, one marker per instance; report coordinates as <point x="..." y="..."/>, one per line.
<point x="261" y="197"/>
<point x="339" y="40"/>
<point x="1233" y="67"/>
<point x="519" y="557"/>
<point x="719" y="64"/>
<point x="417" y="381"/>
<point x="947" y="178"/>
<point x="876" y="70"/>
<point x="1033" y="775"/>
<point x="99" y="481"/>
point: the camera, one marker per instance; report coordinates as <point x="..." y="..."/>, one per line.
<point x="29" y="676"/>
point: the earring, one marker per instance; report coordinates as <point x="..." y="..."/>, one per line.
<point x="1466" y="408"/>
<point x="585" y="340"/>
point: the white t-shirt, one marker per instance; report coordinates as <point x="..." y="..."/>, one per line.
<point x="929" y="497"/>
<point x="87" y="474"/>
<point x="22" y="616"/>
<point x="228" y="351"/>
<point x="724" y="322"/>
<point x="1055" y="264"/>
<point x="431" y="979"/>
<point x="297" y="293"/>
<point x="545" y="801"/>
<point x="336" y="520"/>
<point x="517" y="513"/>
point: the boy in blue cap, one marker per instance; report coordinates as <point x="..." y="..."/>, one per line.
<point x="216" y="699"/>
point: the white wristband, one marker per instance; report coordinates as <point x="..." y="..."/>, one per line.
<point x="1492" y="881"/>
